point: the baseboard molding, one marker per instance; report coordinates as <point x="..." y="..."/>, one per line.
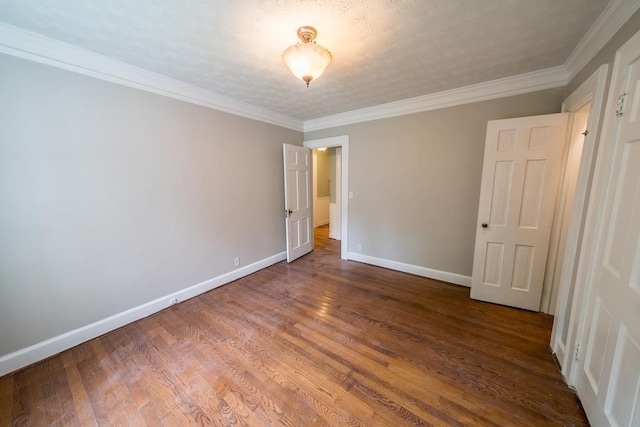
<point x="457" y="279"/>
<point x="29" y="355"/>
<point x="321" y="223"/>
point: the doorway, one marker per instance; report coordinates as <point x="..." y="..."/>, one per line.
<point x="341" y="191"/>
<point x="327" y="181"/>
<point x="565" y="207"/>
<point x="322" y="182"/>
<point x="565" y="287"/>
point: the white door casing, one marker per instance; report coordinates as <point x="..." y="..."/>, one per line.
<point x="335" y="224"/>
<point x="298" y="200"/>
<point x="343" y="142"/>
<point x="521" y="167"/>
<point x="608" y="377"/>
<point x="566" y="323"/>
<point x="564" y="225"/>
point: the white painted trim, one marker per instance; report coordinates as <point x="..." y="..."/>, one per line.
<point x="335" y="230"/>
<point x="334" y="141"/>
<point x="35" y="47"/>
<point x="612" y="18"/>
<point x="18" y="42"/>
<point x="314" y="189"/>
<point x="456" y="279"/>
<point x="339" y="141"/>
<point x="509" y="86"/>
<point x="25" y="357"/>
<point x="592" y="89"/>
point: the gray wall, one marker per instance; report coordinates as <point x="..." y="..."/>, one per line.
<point x="112" y="197"/>
<point x="416" y="180"/>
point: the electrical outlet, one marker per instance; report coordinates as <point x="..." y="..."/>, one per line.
<point x="359" y="247"/>
<point x="236" y="262"/>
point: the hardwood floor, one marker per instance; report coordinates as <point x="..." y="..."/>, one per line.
<point x="317" y="342"/>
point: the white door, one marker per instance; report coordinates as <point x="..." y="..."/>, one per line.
<point x="522" y="161"/>
<point x="297" y="201"/>
<point x="608" y="379"/>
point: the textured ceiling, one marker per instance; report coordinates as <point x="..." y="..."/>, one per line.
<point x="383" y="50"/>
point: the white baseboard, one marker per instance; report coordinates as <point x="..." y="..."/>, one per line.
<point x="321" y="223"/>
<point x="457" y="279"/>
<point x="29" y="355"/>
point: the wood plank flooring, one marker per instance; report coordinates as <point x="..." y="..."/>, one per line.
<point x="317" y="342"/>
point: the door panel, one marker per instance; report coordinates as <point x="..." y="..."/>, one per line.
<point x="493" y="263"/>
<point x="626" y="381"/>
<point x="517" y="196"/>
<point x="298" y="204"/>
<point x="599" y="344"/>
<point x="522" y="267"/>
<point x="534" y="175"/>
<point x="608" y="380"/>
<point x="501" y="190"/>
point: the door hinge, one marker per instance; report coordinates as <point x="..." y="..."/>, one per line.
<point x="576" y="353"/>
<point x="620" y="105"/>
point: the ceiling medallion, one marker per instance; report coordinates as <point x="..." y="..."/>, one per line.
<point x="307" y="60"/>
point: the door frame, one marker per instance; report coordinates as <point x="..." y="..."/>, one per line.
<point x="339" y="141"/>
<point x="578" y="242"/>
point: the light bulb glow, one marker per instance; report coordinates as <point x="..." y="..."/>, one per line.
<point x="307" y="60"/>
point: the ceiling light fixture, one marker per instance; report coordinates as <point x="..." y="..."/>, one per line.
<point x="307" y="60"/>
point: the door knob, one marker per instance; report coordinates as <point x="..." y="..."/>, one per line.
<point x="485" y="225"/>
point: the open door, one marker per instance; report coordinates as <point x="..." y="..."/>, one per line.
<point x="298" y="206"/>
<point x="522" y="162"/>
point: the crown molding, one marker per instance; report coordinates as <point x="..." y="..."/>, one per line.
<point x="25" y="44"/>
<point x="35" y="47"/>
<point x="612" y="18"/>
<point x="523" y="83"/>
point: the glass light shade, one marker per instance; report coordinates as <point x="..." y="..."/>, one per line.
<point x="307" y="61"/>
